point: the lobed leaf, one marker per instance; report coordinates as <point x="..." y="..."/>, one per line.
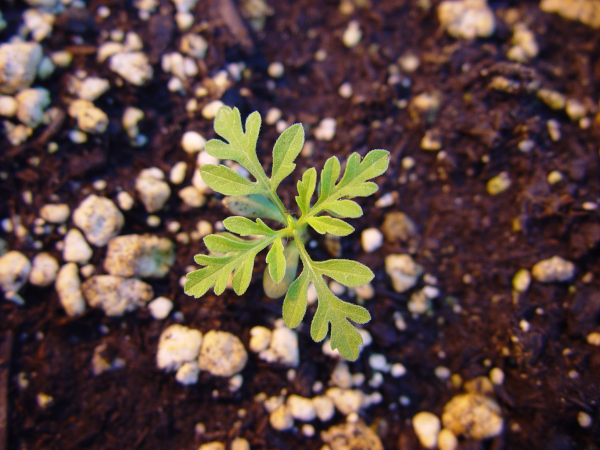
<point x="246" y="227"/>
<point x="306" y="188"/>
<point x="227" y="182"/>
<point x="276" y="261"/>
<point x="253" y="206"/>
<point x="346" y="272"/>
<point x="225" y="243"/>
<point x="345" y="209"/>
<point x="286" y="150"/>
<point x="325" y="224"/>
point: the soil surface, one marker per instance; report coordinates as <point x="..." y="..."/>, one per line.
<point x="471" y="242"/>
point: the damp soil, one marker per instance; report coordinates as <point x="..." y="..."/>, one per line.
<point x="473" y="243"/>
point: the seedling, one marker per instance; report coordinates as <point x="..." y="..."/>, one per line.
<point x="232" y="257"/>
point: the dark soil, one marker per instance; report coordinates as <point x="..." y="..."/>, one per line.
<point x="467" y="238"/>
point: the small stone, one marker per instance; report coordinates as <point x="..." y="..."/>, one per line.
<point x="240" y="444"/>
<point x="575" y="109"/>
<point x="188" y="373"/>
<point x="379" y="362"/>
<point x="92" y="87"/>
<point x="326" y="129"/>
<point x="442" y="373"/>
<point x="324" y="407"/>
<point x="352" y="34"/>
<point x="301" y="408"/>
<point x="366" y="291"/>
<point x="14" y="272"/>
<point x="77" y="136"/>
<point x="351" y="436"/>
<point x="192" y="197"/>
<point x="116" y="295"/>
<point x="132" y="66"/>
<point x="222" y="354"/>
<point x="409" y="62"/>
<point x="210" y="110"/>
<point x="99" y="219"/>
<point x="178" y="345"/>
<point x="31" y="104"/>
<point x="521" y="280"/>
<point x="143" y="256"/>
<point x="61" y="58"/>
<point x="553" y="99"/>
<point x="131" y="117"/>
<point x="345" y="90"/>
<point x="426" y="426"/>
<point x="154" y="192"/>
<point x="398" y="370"/>
<point x="44" y="401"/>
<point x="43" y="270"/>
<point x="403" y="271"/>
<point x="497" y="376"/>
<point x="19" y="63"/>
<point x="498" y="184"/>
<point x="431" y="141"/>
<point x="586" y="11"/>
<point x="89" y="118"/>
<point x="204" y="158"/>
<point x="76" y="249"/>
<point x="283" y="348"/>
<point x="281" y="419"/>
<point x="55" y="213"/>
<point x="555" y="269"/>
<point x="160" y="308"/>
<point x="371" y="240"/>
<point x="177" y="173"/>
<point x="526" y="145"/>
<point x="467" y="19"/>
<point x="446" y="440"/>
<point x="8" y="106"/>
<point x="192" y="142"/>
<point x="194" y="45"/>
<point x="215" y="445"/>
<point x="584" y="419"/>
<point x="125" y="200"/>
<point x="346" y="400"/>
<point x="273" y="115"/>
<point x="276" y="69"/>
<point x="398" y="227"/>
<point x="593" y="339"/>
<point x="68" y="287"/>
<point x="260" y="338"/>
<point x="474" y="416"/>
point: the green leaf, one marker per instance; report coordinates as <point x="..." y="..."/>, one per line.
<point x="345" y="208"/>
<point x="276" y="290"/>
<point x="354" y="182"/>
<point x="225" y="243"/>
<point x="276" y="261"/>
<point x="306" y="188"/>
<point x="218" y="268"/>
<point x="346" y="272"/>
<point x="240" y="145"/>
<point x="246" y="227"/>
<point x="225" y="181"/>
<point x="330" y="310"/>
<point x="325" y="224"/>
<point x="254" y="206"/>
<point x="286" y="150"/>
<point x="296" y="299"/>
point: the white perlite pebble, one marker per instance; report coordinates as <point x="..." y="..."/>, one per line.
<point x="192" y="197"/>
<point x="426" y="426"/>
<point x="593" y="338"/>
<point x="131" y="117"/>
<point x="177" y="345"/>
<point x="403" y="271"/>
<point x="194" y="45"/>
<point x="204" y="158"/>
<point x="326" y="129"/>
<point x="89" y="118"/>
<point x="281" y="419"/>
<point x="283" y="348"/>
<point x="192" y="142"/>
<point x="276" y="69"/>
<point x="215" y="445"/>
<point x="188" y="373"/>
<point x="154" y="192"/>
<point x="8" y="106"/>
<point x="584" y="419"/>
<point x="92" y="87"/>
<point x="398" y="370"/>
<point x="371" y="239"/>
<point x="38" y="22"/>
<point x="125" y="200"/>
<point x="553" y="269"/>
<point x="177" y="173"/>
<point x="160" y="308"/>
<point x="31" y="104"/>
<point x="467" y="19"/>
<point x="240" y="444"/>
<point x="132" y="66"/>
<point x="68" y="288"/>
<point x="301" y="408"/>
<point x="55" y="213"/>
<point x="341" y="376"/>
<point x="474" y="416"/>
<point x="345" y="90"/>
<point x="116" y="295"/>
<point x="324" y="407"/>
<point x="524" y="44"/>
<point x="260" y="338"/>
<point x="497" y="376"/>
<point x="44" y="269"/>
<point x="222" y="354"/>
<point x="210" y="110"/>
<point x="346" y="400"/>
<point x="19" y="63"/>
<point x="76" y="249"/>
<point x="99" y="219"/>
<point x="144" y="256"/>
<point x="447" y="440"/>
<point x="352" y="34"/>
<point x="575" y="109"/>
<point x="14" y="271"/>
<point x="379" y="362"/>
<point x="273" y="115"/>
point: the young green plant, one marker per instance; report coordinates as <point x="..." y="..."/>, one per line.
<point x="231" y="257"/>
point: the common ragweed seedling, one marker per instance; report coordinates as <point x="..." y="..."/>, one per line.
<point x="232" y="256"/>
